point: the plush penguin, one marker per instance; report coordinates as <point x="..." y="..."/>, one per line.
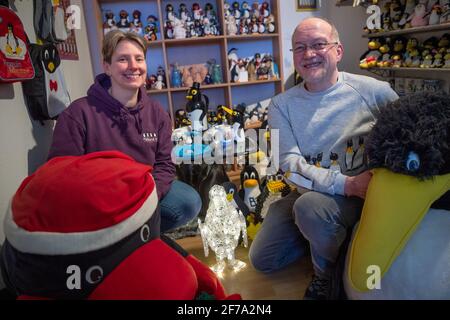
<point x="250" y="187"/>
<point x="275" y="187"/>
<point x="400" y="249"/>
<point x="106" y="245"/>
<point x="233" y="197"/>
<point x="197" y="108"/>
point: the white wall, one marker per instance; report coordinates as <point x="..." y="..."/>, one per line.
<point x="24" y="143"/>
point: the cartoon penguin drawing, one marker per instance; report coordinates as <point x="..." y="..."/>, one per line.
<point x="349" y="155"/>
<point x="12" y="46"/>
<point x="334" y="164"/>
<point x="250" y="187"/>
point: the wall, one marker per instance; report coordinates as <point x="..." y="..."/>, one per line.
<point x="24" y="143"/>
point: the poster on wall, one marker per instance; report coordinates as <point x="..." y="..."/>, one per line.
<point x="68" y="48"/>
<point x="307" y="5"/>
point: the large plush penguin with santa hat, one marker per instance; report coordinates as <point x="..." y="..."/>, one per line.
<point x="401" y="247"/>
<point x="87" y="227"/>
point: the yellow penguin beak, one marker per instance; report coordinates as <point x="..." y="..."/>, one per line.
<point x="227" y="110"/>
<point x="189" y="97"/>
<point x="51" y="66"/>
<point x="229" y="197"/>
<point x="395" y="205"/>
<point x="250" y="183"/>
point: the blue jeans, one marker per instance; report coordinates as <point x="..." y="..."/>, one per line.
<point x="180" y="205"/>
<point x="293" y="221"/>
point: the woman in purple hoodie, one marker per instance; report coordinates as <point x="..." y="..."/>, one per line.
<point x="118" y="115"/>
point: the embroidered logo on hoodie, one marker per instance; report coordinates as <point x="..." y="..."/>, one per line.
<point x="149" y="137"/>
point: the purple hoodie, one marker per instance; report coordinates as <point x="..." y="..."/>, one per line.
<point x="99" y="122"/>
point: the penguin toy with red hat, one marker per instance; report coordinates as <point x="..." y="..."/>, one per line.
<point x="87" y="227"/>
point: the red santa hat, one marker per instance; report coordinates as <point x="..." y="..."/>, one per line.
<point x="97" y="212"/>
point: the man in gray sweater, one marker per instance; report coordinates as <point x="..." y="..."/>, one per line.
<point x="322" y="125"/>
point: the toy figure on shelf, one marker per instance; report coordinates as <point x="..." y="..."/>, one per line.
<point x="264" y="11"/>
<point x="136" y="24"/>
<point x="153" y="21"/>
<point x="222" y="229"/>
<point x="445" y="16"/>
<point x="419" y="17"/>
<point x="151" y="82"/>
<point x="176" y="76"/>
<point x="161" y="73"/>
<point x="110" y="22"/>
<point x="124" y="23"/>
<point x="197" y="108"/>
<point x="197" y="11"/>
<point x="168" y="30"/>
<point x="270" y="24"/>
<point x="435" y="15"/>
<point x="216" y="75"/>
<point x="245" y="10"/>
<point x="232" y="29"/>
<point x="235" y="11"/>
<point x="183" y="12"/>
<point x="179" y="31"/>
<point x="407" y="12"/>
<point x="170" y="14"/>
<point x="181" y="119"/>
<point x="370" y="57"/>
<point x="210" y="13"/>
<point x="150" y="33"/>
<point x="213" y="119"/>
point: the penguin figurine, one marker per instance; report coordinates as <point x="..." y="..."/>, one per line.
<point x="213" y="119"/>
<point x="275" y="188"/>
<point x="197" y="108"/>
<point x="233" y="197"/>
<point x="250" y="187"/>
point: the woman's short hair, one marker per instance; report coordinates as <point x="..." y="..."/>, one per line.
<point x="114" y="37"/>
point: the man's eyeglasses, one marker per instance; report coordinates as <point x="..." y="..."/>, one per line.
<point x="319" y="46"/>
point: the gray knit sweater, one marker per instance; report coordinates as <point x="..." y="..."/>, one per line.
<point x="330" y="125"/>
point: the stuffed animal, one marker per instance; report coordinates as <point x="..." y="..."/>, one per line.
<point x="447" y="59"/>
<point x="419" y="17"/>
<point x="370" y="57"/>
<point x="104" y="243"/>
<point x="402" y="238"/>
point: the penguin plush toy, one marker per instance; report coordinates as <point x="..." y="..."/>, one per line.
<point x="401" y="247"/>
<point x="233" y="197"/>
<point x="250" y="187"/>
<point x="102" y="244"/>
<point x="197" y="108"/>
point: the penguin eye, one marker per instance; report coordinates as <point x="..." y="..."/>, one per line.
<point x="279" y="177"/>
<point x="232" y="191"/>
<point x="245" y="176"/>
<point x="252" y="175"/>
<point x="54" y="53"/>
<point x="413" y="162"/>
<point x="194" y="92"/>
<point x="46" y="55"/>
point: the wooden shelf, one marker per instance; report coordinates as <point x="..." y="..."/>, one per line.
<point x="438" y="27"/>
<point x="247" y="37"/>
<point x="222" y="43"/>
<point x="248" y="83"/>
<point x="203" y="87"/>
<point x="190" y="41"/>
<point x="409" y="69"/>
<point x="154" y="91"/>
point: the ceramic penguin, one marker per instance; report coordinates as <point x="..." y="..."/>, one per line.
<point x="197" y="108"/>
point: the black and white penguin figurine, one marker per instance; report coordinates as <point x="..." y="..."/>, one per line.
<point x="250" y="187"/>
<point x="233" y="197"/>
<point x="197" y="108"/>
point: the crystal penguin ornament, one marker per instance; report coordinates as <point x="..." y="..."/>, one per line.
<point x="221" y="230"/>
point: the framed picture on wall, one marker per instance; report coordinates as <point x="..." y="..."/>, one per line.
<point x="307" y="5"/>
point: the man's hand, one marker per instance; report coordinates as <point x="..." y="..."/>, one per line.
<point x="357" y="185"/>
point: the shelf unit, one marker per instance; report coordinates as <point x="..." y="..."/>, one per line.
<point x="228" y="90"/>
<point x="432" y="73"/>
<point x="438" y="27"/>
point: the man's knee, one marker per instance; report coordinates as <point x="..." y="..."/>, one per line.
<point x="308" y="211"/>
<point x="259" y="260"/>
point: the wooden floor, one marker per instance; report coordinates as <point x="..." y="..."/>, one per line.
<point x="288" y="284"/>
